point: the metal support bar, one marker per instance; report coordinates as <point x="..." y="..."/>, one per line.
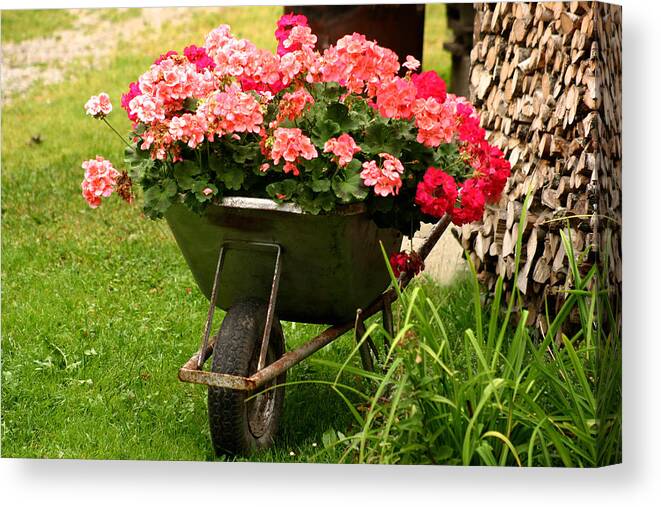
<point x="387" y="321"/>
<point x="212" y="306"/>
<point x="271" y="308"/>
<point x="363" y="348"/>
<point x="226" y="245"/>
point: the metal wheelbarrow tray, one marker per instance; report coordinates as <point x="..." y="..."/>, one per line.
<point x="331" y="264"/>
<point x="262" y="262"/>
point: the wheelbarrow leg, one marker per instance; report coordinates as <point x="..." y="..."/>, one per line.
<point x="364" y="347"/>
<point x="271" y="308"/>
<point x="271" y="304"/>
<point x="387" y="321"/>
<point x="212" y="307"/>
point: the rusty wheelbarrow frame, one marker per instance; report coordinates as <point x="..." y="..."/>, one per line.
<point x="310" y="269"/>
<point x="192" y="371"/>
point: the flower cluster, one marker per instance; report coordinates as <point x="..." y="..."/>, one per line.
<point x="285" y="26"/>
<point x="408" y="263"/>
<point x="199" y="57"/>
<point x="358" y="64"/>
<point x="429" y="84"/>
<point x="437" y="193"/>
<point x="100" y="180"/>
<point x="316" y="128"/>
<point x="395" y="98"/>
<point x="98" y="106"/>
<point x="231" y="111"/>
<point x="436" y="121"/>
<point x="293" y="104"/>
<point x="343" y="147"/>
<point x="289" y="144"/>
<point x="385" y="178"/>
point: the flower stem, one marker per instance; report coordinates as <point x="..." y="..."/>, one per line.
<point x="118" y="134"/>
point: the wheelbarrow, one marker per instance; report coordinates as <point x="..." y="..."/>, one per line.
<point x="261" y="262"/>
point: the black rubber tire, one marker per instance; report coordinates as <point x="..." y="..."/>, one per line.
<point x="238" y="427"/>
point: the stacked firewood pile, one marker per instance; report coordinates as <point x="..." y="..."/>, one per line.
<point x="546" y="78"/>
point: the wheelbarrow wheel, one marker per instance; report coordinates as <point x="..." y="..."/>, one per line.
<point x="237" y="426"/>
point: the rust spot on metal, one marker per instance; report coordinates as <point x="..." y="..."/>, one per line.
<point x="210" y="378"/>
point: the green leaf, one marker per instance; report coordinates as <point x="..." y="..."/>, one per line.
<point x="158" y="198"/>
<point x="329" y="438"/>
<point x="190" y="104"/>
<point x="443" y="453"/>
<point x="317" y="168"/>
<point x="231" y="175"/>
<point x="170" y="189"/>
<point x="184" y="173"/>
<point x="324" y="130"/>
<point x="242" y="153"/>
<point x="316" y="203"/>
<point x="330" y="91"/>
<point x="320" y="185"/>
<point x="138" y="162"/>
<point x="326" y="201"/>
<point x="287" y="188"/>
<point x="360" y="112"/>
<point x="348" y="187"/>
<point x="353" y="167"/>
<point x="376" y="138"/>
<point x="383" y="137"/>
<point x="339" y="113"/>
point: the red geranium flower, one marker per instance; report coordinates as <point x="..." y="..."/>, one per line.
<point x="436" y="193"/>
<point x="429" y="84"/>
<point x="491" y="168"/>
<point x="199" y="57"/>
<point x="405" y="262"/>
<point x="285" y="25"/>
<point x="472" y="203"/>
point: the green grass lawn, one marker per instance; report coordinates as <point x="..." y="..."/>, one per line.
<point x="99" y="309"/>
<point x="21" y="25"/>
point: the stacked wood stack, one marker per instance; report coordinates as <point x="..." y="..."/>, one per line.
<point x="546" y="79"/>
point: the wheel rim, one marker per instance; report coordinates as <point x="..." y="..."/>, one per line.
<point x="261" y="408"/>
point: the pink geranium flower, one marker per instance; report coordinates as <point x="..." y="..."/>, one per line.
<point x="100" y="180"/>
<point x="286" y="24"/>
<point x="299" y="37"/>
<point x="411" y="63"/>
<point x="98" y="106"/>
<point x="395" y="98"/>
<point x="358" y="63"/>
<point x="343" y="147"/>
<point x="386" y="179"/>
<point x="289" y="144"/>
<point x="231" y="111"/>
<point x="293" y="104"/>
